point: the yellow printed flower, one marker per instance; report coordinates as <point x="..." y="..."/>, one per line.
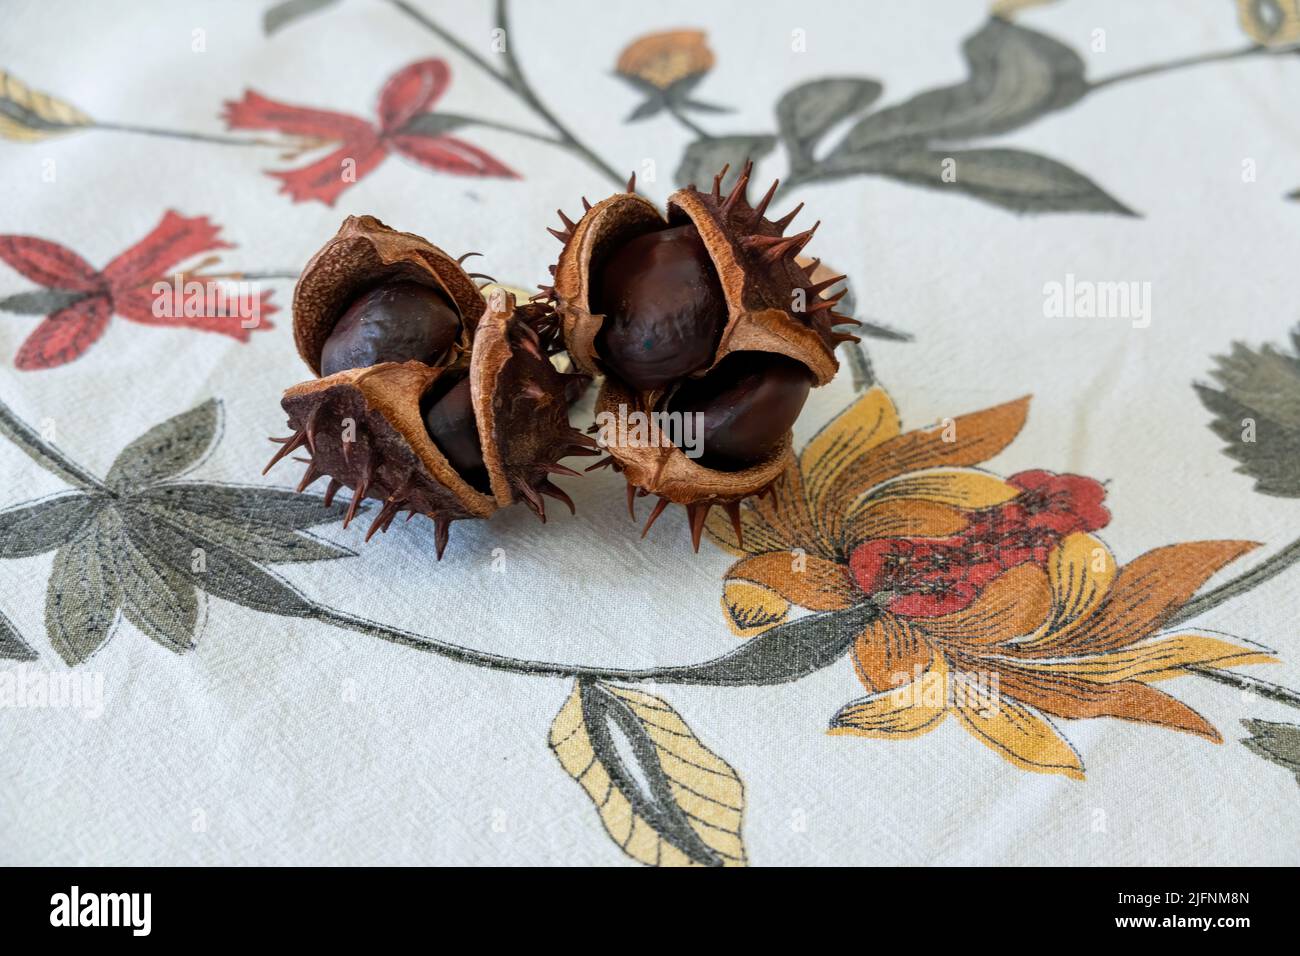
<point x="1271" y="23"/>
<point x="994" y="601"/>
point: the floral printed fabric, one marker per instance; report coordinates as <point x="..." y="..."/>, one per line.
<point x="1025" y="595"/>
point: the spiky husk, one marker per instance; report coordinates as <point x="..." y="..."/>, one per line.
<point x="363" y="428"/>
<point x="522" y="408"/>
<point x="761" y="281"/>
<point x="362" y="254"/>
<point x="754" y="259"/>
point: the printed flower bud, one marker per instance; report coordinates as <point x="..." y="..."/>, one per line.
<point x="394" y="322"/>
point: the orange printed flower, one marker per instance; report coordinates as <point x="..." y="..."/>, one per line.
<point x="993" y="599"/>
<point x="667" y="67"/>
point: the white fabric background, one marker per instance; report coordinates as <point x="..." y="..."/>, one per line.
<point x="435" y="762"/>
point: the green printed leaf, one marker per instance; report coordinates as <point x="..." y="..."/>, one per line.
<point x="166" y="450"/>
<point x="156" y="598"/>
<point x="286" y="12"/>
<point x="83" y="596"/>
<point x="781" y="654"/>
<point x="42" y="526"/>
<point x="269" y="506"/>
<point x="1016" y="76"/>
<point x="40" y="301"/>
<point x="704" y="157"/>
<point x="806" y="112"/>
<point x="12" y="646"/>
<point x="1257" y="413"/>
<point x="1011" y="178"/>
<point x="211" y="565"/>
<point x="258" y="540"/>
<point x="1276" y="743"/>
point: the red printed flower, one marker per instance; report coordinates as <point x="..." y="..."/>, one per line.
<point x="80" y="299"/>
<point x="966" y="595"/>
<point x="405" y="126"/>
<point x="930" y="577"/>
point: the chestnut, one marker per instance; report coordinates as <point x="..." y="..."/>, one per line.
<point x="664" y="308"/>
<point x="748" y="403"/>
<point x="393" y="322"/>
<point x="449" y="419"/>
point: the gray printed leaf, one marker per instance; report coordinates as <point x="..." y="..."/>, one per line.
<point x="271" y="506"/>
<point x="663" y="797"/>
<point x="83" y="597"/>
<point x="1276" y="743"/>
<point x="210" y="565"/>
<point x="12" y="646"/>
<point x="704" y="157"/>
<point x="1016" y="75"/>
<point x="652" y="106"/>
<point x="156" y="598"/>
<point x="32" y="529"/>
<point x="167" y="449"/>
<point x="1257" y="413"/>
<point x="287" y="11"/>
<point x="781" y="654"/>
<point x="40" y="301"/>
<point x="259" y="541"/>
<point x="806" y="112"/>
<point x="878" y="330"/>
<point x="434" y="124"/>
<point x="1011" y="178"/>
<point x="35" y="446"/>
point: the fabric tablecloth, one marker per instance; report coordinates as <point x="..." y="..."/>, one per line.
<point x="1024" y="596"/>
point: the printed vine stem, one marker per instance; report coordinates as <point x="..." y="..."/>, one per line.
<point x="694" y="127"/>
<point x="1182" y="63"/>
<point x="512" y="78"/>
<point x="192" y="137"/>
<point x="60" y="465"/>
<point x="692" y="673"/>
<point x="1266" y="570"/>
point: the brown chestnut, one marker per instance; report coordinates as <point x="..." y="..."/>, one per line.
<point x="449" y="419"/>
<point x="663" y="306"/>
<point x="748" y="403"/>
<point x="394" y="322"/>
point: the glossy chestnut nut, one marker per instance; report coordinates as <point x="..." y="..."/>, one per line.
<point x="748" y="403"/>
<point x="663" y="306"/>
<point x="393" y="322"/>
<point x="449" y="419"/>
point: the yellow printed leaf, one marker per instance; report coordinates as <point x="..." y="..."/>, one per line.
<point x="27" y="115"/>
<point x="908" y="710"/>
<point x="752" y="608"/>
<point x="862" y="426"/>
<point x="1156" y="660"/>
<point x="958" y="488"/>
<point x="663" y="797"/>
<point x="1019" y="734"/>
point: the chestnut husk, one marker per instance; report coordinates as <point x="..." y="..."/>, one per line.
<point x="363" y="255"/>
<point x="760" y="277"/>
<point x="520" y="404"/>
